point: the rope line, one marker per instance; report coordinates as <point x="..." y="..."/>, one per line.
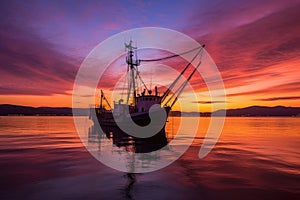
<point x="168" y="57"/>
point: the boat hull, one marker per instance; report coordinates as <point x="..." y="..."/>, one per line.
<point x="141" y="119"/>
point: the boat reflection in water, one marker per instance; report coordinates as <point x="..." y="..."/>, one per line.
<point x="123" y="143"/>
<point x="126" y="142"/>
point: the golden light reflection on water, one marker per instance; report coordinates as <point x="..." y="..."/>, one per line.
<point x="269" y="137"/>
<point x="250" y="153"/>
<point x="266" y="138"/>
<point x="38" y="132"/>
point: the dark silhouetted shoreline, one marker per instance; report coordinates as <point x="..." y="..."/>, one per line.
<point x="252" y="111"/>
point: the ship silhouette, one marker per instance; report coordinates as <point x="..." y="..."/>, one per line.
<point x="142" y="102"/>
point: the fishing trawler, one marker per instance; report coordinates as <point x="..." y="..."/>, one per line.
<point x="141" y="100"/>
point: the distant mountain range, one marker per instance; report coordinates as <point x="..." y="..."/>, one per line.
<point x="263" y="111"/>
<point x="7" y="109"/>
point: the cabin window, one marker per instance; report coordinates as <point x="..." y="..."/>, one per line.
<point x="146" y="99"/>
<point x="142" y="109"/>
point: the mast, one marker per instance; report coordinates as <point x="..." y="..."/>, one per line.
<point x="131" y="65"/>
<point x="101" y="96"/>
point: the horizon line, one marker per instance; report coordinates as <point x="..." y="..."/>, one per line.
<point x="172" y="110"/>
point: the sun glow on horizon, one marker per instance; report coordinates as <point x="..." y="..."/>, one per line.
<point x="256" y="51"/>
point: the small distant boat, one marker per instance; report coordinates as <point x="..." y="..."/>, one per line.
<point x="138" y="101"/>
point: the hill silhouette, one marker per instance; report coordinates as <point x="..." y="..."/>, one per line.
<point x="8" y="109"/>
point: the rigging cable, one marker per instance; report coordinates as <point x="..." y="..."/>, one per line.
<point x="168" y="57"/>
<point x="180" y="89"/>
<point x="142" y="80"/>
<point x="166" y="93"/>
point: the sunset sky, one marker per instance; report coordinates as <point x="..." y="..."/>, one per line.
<point x="255" y="44"/>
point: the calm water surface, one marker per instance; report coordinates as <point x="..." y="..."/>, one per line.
<point x="255" y="158"/>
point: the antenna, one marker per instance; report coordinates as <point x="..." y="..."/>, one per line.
<point x="136" y="57"/>
<point x="151" y="71"/>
